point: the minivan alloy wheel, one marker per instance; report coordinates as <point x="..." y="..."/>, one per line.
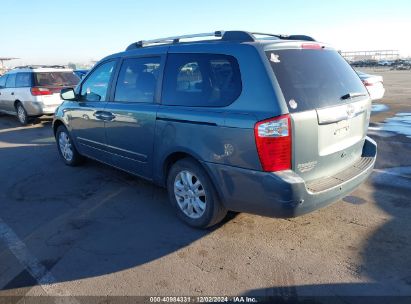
<point x="65" y="146"/>
<point x="190" y="194"/>
<point x="21" y="114"/>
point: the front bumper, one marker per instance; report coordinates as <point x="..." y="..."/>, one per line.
<point x="286" y="194"/>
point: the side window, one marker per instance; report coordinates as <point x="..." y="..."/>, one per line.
<point x="96" y="85"/>
<point x="11" y="81"/>
<point x="137" y="80"/>
<point x="3" y="81"/>
<point x="189" y="78"/>
<point x="201" y="80"/>
<point x="23" y="80"/>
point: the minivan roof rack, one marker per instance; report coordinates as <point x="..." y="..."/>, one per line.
<point x="241" y="36"/>
<point x="173" y="39"/>
<point x="40" y="66"/>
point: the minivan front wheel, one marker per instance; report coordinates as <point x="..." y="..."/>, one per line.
<point x="22" y="114"/>
<point x="66" y="148"/>
<point x="193" y="195"/>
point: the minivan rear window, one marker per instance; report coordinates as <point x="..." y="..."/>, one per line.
<point x="55" y="79"/>
<point x="311" y="79"/>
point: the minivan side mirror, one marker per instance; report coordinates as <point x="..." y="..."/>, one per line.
<point x="68" y="94"/>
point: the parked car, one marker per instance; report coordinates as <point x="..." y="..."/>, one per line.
<point x="252" y="129"/>
<point x="357" y="63"/>
<point x="33" y="91"/>
<point x="365" y="63"/>
<point x="374" y="85"/>
<point x="384" y="63"/>
<point x="402" y="67"/>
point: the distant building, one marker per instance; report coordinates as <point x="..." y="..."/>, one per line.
<point x="371" y="55"/>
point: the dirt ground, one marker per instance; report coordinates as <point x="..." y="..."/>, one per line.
<point x="94" y="230"/>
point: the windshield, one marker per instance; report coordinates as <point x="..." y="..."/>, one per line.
<point x="311" y="79"/>
<point x="56" y="79"/>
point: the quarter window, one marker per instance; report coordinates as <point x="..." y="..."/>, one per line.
<point x="201" y="80"/>
<point x="96" y="85"/>
<point x="23" y="80"/>
<point x="137" y="80"/>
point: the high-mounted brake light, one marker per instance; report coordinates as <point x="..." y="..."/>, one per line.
<point x="40" y="91"/>
<point x="273" y="141"/>
<point x="311" y="46"/>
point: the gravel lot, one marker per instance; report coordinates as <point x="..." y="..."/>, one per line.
<point x="94" y="230"/>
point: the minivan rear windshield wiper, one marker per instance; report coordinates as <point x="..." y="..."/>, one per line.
<point x="351" y="95"/>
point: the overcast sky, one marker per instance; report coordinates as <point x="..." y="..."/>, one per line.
<point x="58" y="32"/>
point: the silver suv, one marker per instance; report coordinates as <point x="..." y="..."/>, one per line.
<point x="33" y="91"/>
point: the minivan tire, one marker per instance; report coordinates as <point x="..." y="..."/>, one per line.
<point x="214" y="211"/>
<point x="21" y="113"/>
<point x="66" y="148"/>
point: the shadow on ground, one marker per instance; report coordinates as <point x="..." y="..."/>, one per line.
<point x="344" y="293"/>
<point x="108" y="220"/>
<point x="386" y="258"/>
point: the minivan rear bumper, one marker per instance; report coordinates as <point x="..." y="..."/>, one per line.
<point x="285" y="193"/>
<point x="35" y="108"/>
<point x="42" y="105"/>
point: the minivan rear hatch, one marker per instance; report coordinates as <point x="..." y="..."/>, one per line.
<point x="329" y="108"/>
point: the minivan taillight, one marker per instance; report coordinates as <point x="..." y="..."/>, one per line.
<point x="273" y="140"/>
<point x="367" y="83"/>
<point x="36" y="91"/>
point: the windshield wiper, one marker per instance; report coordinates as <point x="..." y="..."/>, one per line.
<point x="351" y="95"/>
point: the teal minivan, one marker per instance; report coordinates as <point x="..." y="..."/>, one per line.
<point x="259" y="123"/>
